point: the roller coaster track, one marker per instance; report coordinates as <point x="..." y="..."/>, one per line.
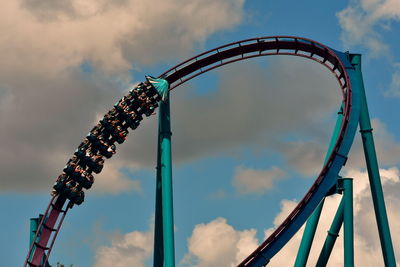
<point x="337" y="62"/>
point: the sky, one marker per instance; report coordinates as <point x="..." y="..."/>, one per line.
<point x="248" y="139"/>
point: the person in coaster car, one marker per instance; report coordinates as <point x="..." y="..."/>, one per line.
<point x="96" y="163"/>
<point x="59" y="184"/>
<point x="149" y="107"/>
<point x="76" y="195"/>
<point x="70" y="167"/>
<point x="82" y="149"/>
<point x="66" y="189"/>
<point x="120" y="135"/>
<point x="82" y="177"/>
<point x="120" y="138"/>
<point x="94" y="133"/>
<point x="110" y="151"/>
<point x="104" y="146"/>
<point x="86" y="180"/>
<point x="132" y="120"/>
<point x="142" y="97"/>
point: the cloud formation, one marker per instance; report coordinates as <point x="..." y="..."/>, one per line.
<point x="307" y="157"/>
<point x="248" y="180"/>
<point x="54" y="104"/>
<point x="131" y="249"/>
<point x="365" y="22"/>
<point x="258" y="105"/>
<point x="85" y="98"/>
<point x="394" y="87"/>
<point x="386" y="145"/>
<point x="112" y="35"/>
<point x="367" y="246"/>
<point x="48" y="104"/>
<point x="229" y="246"/>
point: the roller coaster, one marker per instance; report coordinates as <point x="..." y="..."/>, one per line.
<point x="141" y="101"/>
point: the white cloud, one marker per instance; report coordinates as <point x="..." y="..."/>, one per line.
<point x="307" y="157"/>
<point x="48" y="105"/>
<point x="394" y="87"/>
<point x="110" y="34"/>
<point x="287" y="255"/>
<point x="386" y="145"/>
<point x="131" y="249"/>
<point x="257" y="105"/>
<point x="224" y="239"/>
<point x="247" y="180"/>
<point x="112" y="180"/>
<point x="218" y="244"/>
<point x="220" y="194"/>
<point x="384" y="9"/>
<point x="367" y="246"/>
<point x="358" y="30"/>
<point x="35" y="130"/>
<point x="361" y="21"/>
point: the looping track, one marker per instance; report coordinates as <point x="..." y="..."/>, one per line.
<point x="335" y="61"/>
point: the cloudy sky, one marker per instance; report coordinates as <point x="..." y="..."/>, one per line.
<point x="248" y="139"/>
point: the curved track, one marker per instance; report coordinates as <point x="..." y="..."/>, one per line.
<point x="337" y="62"/>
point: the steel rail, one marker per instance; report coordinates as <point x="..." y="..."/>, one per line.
<point x="335" y="61"/>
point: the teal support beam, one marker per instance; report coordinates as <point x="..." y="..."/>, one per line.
<point x="308" y="236"/>
<point x="348" y="222"/>
<point x="158" y="252"/>
<point x="312" y="222"/>
<point x="373" y="169"/>
<point x="330" y="240"/>
<point x="34" y="224"/>
<point x="166" y="183"/>
<point x="33" y="228"/>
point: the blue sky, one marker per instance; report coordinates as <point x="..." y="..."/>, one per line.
<point x="248" y="139"/>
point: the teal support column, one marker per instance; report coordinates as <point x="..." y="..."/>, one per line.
<point x="33" y="228"/>
<point x="373" y="169"/>
<point x="330" y="240"/>
<point x="312" y="222"/>
<point x="166" y="183"/>
<point x="348" y="223"/>
<point x="308" y="236"/>
<point x="158" y="253"/>
<point x="34" y="224"/>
